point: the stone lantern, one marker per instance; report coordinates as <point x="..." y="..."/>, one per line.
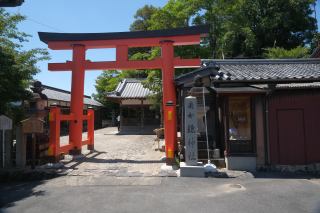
<point x="113" y="115"/>
<point x="36" y="106"/>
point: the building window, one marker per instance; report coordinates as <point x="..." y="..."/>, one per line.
<point x="239" y="138"/>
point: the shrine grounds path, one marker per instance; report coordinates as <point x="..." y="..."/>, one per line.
<point x="253" y="192"/>
<point x="117" y="155"/>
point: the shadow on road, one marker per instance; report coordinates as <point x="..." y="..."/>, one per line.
<point x="11" y="192"/>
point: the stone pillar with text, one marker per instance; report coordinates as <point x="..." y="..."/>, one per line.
<point x="191" y="167"/>
<point x="191" y="154"/>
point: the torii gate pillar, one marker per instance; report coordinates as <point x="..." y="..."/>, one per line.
<point x="77" y="92"/>
<point x="169" y="94"/>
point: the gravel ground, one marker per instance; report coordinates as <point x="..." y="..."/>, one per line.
<point x="117" y="155"/>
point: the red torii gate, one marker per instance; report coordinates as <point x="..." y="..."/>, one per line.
<point x="80" y="42"/>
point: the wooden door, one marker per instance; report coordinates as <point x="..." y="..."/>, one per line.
<point x="291" y="137"/>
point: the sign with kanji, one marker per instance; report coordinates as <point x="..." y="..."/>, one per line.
<point x="5" y="123"/>
<point x="191" y="140"/>
<point x="32" y="125"/>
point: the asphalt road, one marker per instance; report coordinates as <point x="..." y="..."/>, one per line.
<point x="259" y="192"/>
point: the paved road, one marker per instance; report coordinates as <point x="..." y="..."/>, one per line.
<point x="259" y="192"/>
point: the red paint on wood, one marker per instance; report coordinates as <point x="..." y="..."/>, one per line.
<point x="109" y="65"/>
<point x="169" y="94"/>
<point x="77" y="92"/>
<point x="291" y="142"/>
<point x="309" y="102"/>
<point x="132" y="42"/>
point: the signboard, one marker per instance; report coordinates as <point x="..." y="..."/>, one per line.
<point x="32" y="125"/>
<point x="5" y="123"/>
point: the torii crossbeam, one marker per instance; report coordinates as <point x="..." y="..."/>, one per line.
<point x="80" y="42"/>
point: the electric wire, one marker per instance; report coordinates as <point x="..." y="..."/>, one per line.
<point x="37" y="22"/>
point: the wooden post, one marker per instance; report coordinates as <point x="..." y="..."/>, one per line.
<point x="90" y="128"/>
<point x="121" y="120"/>
<point x="54" y="140"/>
<point x="8" y="149"/>
<point x="21" y="142"/>
<point x="142" y="115"/>
<point x="7" y="146"/>
<point x="33" y="151"/>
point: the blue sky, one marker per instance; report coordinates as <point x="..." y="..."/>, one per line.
<point x="78" y="16"/>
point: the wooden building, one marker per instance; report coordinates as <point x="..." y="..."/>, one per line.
<point x="134" y="106"/>
<point x="259" y="111"/>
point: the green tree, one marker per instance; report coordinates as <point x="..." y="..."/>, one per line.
<point x="142" y="16"/>
<point x="242" y="28"/>
<point x="281" y="53"/>
<point x="256" y="24"/>
<point x="141" y="23"/>
<point x="154" y="84"/>
<point x="17" y="67"/>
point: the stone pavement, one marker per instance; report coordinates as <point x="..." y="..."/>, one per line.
<point x="102" y="181"/>
<point x="117" y="155"/>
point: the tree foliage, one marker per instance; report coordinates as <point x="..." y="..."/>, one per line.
<point x="142" y="16"/>
<point x="17" y="67"/>
<point x="242" y="28"/>
<point x="281" y="53"/>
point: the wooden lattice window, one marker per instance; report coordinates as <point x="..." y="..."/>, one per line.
<point x="239" y="131"/>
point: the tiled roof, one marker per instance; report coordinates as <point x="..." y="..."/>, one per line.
<point x="290" y="86"/>
<point x="129" y="88"/>
<point x="63" y="95"/>
<point x="255" y="70"/>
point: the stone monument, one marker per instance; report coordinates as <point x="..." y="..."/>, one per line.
<point x="191" y="131"/>
<point x="191" y="167"/>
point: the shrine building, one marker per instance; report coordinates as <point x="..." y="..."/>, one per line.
<point x="135" y="112"/>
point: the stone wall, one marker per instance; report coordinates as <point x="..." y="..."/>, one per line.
<point x="311" y="168"/>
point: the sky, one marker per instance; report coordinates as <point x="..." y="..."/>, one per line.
<point x="78" y="16"/>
